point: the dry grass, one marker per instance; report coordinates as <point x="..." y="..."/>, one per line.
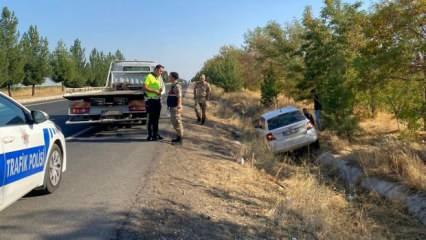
<point x="326" y="213"/>
<point x="380" y="152"/>
<point x="25" y="93"/>
<point x="392" y="158"/>
<point x="397" y="161"/>
<point x="382" y="123"/>
<point x="316" y="210"/>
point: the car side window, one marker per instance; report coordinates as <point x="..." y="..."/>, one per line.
<point x="10" y="114"/>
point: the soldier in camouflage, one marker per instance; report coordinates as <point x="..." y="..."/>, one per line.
<point x="174" y="102"/>
<point x="201" y="96"/>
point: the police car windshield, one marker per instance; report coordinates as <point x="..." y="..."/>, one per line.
<point x="10" y="114"/>
<point x="285" y="119"/>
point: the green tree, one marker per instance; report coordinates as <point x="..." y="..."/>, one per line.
<point x="225" y="70"/>
<point x="118" y="55"/>
<point x="36" y="54"/>
<point x="64" y="69"/>
<point x="11" y="61"/>
<point x="397" y="49"/>
<point x="279" y="45"/>
<point x="330" y="48"/>
<point x="79" y="62"/>
<point x="98" y="66"/>
<point x="270" y="87"/>
<point x="404" y="101"/>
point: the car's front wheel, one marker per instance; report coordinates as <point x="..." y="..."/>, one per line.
<point x="53" y="174"/>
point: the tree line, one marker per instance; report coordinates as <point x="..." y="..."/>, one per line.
<point x="358" y="61"/>
<point x="27" y="60"/>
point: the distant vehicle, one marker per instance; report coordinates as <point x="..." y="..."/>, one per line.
<point x="120" y="101"/>
<point x="286" y="129"/>
<point x="32" y="152"/>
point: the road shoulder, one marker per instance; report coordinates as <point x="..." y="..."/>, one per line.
<point x="199" y="191"/>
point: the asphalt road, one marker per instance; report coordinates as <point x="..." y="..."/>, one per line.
<point x="107" y="169"/>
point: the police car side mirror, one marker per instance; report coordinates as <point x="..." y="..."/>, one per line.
<point x="39" y="116"/>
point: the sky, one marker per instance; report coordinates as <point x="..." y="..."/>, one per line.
<point x="180" y="34"/>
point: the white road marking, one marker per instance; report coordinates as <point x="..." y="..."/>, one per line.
<point x="75" y="135"/>
<point x="41" y="103"/>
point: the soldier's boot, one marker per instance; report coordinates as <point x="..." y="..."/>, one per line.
<point x="177" y="140"/>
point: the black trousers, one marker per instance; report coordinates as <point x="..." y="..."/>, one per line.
<point x="153" y="110"/>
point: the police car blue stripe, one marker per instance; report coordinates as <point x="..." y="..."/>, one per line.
<point x="1" y="169"/>
<point x="46" y="138"/>
<point x="23" y="163"/>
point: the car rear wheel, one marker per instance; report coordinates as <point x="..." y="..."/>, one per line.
<point x="53" y="174"/>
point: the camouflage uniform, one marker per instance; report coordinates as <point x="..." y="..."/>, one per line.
<point x="175" y="114"/>
<point x="201" y="95"/>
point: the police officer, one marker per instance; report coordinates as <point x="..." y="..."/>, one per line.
<point x="174" y="102"/>
<point x="201" y="96"/>
<point x="153" y="85"/>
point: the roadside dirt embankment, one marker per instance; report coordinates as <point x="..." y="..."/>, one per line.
<point x="354" y="178"/>
<point x="201" y="190"/>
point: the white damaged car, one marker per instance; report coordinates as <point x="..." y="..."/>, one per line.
<point x="286" y="129"/>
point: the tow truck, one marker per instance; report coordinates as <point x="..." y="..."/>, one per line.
<point x="120" y="101"/>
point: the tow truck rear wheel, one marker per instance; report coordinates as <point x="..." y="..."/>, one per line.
<point x="53" y="172"/>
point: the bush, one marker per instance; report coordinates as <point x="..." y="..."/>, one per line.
<point x="224" y="70"/>
<point x="270" y="88"/>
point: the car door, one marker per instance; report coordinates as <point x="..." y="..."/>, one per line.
<point x="24" y="151"/>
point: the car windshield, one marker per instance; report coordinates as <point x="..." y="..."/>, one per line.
<point x="285" y="119"/>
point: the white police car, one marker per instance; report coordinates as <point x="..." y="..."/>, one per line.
<point x="32" y="152"/>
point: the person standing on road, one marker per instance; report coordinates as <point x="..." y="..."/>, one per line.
<point x="153" y="88"/>
<point x="174" y="102"/>
<point x="317" y="108"/>
<point x="201" y="96"/>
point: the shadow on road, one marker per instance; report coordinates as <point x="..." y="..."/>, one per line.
<point x="121" y="134"/>
<point x="166" y="223"/>
<point x="98" y="226"/>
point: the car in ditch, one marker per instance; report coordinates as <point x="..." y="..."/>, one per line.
<point x="286" y="129"/>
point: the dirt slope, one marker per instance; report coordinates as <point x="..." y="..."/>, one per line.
<point x="200" y="191"/>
